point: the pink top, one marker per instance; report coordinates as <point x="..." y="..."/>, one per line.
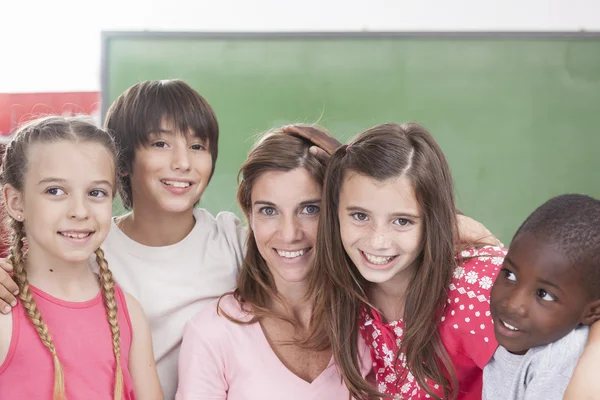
<point x="466" y="330"/>
<point x="82" y="338"/>
<point x="223" y="360"/>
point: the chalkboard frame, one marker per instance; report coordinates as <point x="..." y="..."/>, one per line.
<point x="108" y="36"/>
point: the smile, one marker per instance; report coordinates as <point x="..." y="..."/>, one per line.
<point x="177" y="184"/>
<point x="378" y="260"/>
<point x="512" y="328"/>
<point x="75" y="235"/>
<point x="291" y="254"/>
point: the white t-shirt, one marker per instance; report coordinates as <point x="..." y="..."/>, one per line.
<point x="174" y="283"/>
<point x="542" y="373"/>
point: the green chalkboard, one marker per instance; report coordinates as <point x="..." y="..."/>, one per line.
<point x="517" y="115"/>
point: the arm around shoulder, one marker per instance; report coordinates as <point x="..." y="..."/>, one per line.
<point x="547" y="385"/>
<point x="584" y="384"/>
<point x="8" y="287"/>
<point x="142" y="366"/>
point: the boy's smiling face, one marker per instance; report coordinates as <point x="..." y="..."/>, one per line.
<point x="538" y="296"/>
<point x="170" y="173"/>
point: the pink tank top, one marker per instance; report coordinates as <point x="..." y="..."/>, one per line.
<point x="82" y="338"/>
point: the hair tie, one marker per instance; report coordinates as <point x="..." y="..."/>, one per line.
<point x="348" y="148"/>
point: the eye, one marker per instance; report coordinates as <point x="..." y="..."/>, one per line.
<point x="54" y="191"/>
<point x="268" y="211"/>
<point x="542" y="294"/>
<point x="402" y="222"/>
<point x="98" y="193"/>
<point x="358" y="216"/>
<point x="311" y="210"/>
<point x="509" y="275"/>
<point x="197" y="146"/>
<point x="160" y="144"/>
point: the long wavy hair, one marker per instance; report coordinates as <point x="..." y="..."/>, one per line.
<point x="13" y="170"/>
<point x="384" y="152"/>
<point x="281" y="149"/>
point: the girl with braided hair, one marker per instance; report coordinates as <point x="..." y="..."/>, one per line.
<point x="74" y="334"/>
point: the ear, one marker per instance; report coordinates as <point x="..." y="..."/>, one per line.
<point x="592" y="313"/>
<point x="14" y="202"/>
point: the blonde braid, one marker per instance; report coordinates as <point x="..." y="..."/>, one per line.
<point x="20" y="275"/>
<point x="107" y="285"/>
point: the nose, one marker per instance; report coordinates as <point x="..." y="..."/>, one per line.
<point x="180" y="157"/>
<point x="79" y="207"/>
<point x="380" y="237"/>
<point x="516" y="302"/>
<point x="290" y="229"/>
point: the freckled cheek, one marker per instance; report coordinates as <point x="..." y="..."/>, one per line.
<point x="409" y="242"/>
<point x="264" y="231"/>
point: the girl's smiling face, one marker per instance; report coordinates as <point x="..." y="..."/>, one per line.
<point x="67" y="199"/>
<point x="381" y="226"/>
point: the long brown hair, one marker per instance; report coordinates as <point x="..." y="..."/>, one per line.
<point x="280" y="149"/>
<point x="12" y="172"/>
<point x="384" y="152"/>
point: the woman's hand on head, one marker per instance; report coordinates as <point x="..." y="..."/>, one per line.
<point x="8" y="287"/>
<point x="471" y="231"/>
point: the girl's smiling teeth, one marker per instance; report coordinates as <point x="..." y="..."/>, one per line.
<point x="75" y="235"/>
<point x="379" y="260"/>
<point x="177" y="184"/>
<point x="291" y="254"/>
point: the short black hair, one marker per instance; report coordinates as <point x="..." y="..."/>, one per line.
<point x="571" y="223"/>
<point x="141" y="109"/>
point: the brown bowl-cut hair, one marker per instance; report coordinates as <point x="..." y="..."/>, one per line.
<point x="140" y="111"/>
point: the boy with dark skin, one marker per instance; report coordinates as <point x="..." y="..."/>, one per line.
<point x="544" y="299"/>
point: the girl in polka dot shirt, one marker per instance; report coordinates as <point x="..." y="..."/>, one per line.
<point x="387" y="270"/>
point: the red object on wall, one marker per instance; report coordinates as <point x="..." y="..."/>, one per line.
<point x="16" y="108"/>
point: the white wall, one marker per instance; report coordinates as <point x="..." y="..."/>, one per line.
<point x="55" y="45"/>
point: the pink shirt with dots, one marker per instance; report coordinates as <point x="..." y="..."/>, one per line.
<point x="466" y="330"/>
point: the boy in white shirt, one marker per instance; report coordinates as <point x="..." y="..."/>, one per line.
<point x="171" y="257"/>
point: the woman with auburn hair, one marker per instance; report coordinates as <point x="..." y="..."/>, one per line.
<point x="247" y="345"/>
